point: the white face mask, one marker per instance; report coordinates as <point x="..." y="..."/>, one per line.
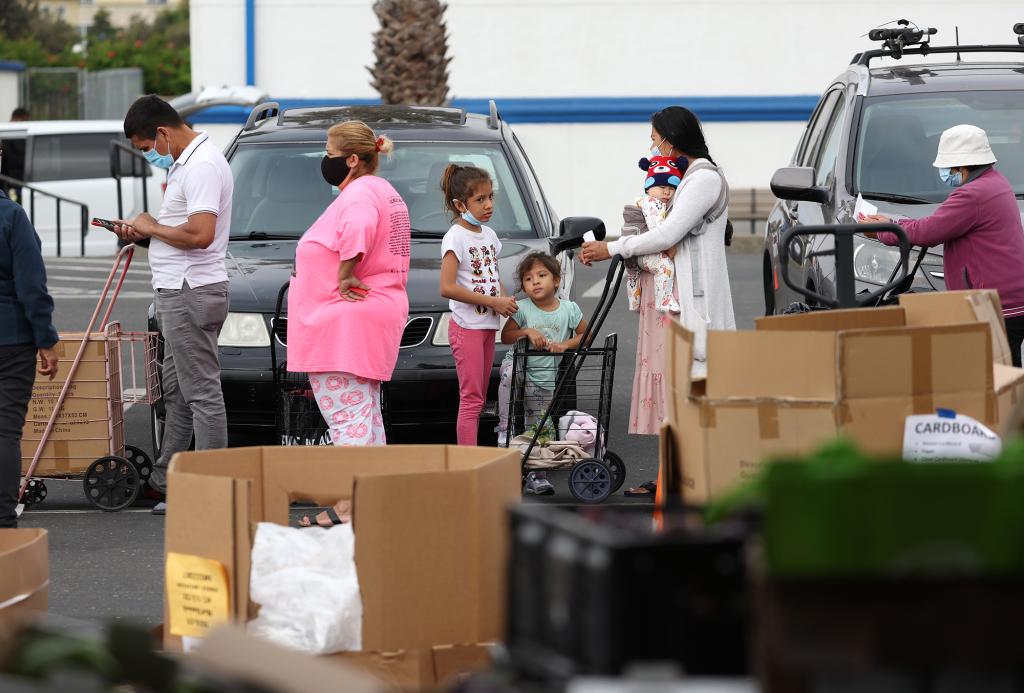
<point x="656" y="148"/>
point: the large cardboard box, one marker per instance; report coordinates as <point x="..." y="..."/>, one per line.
<point x="88" y="420"/>
<point x="798" y="381"/>
<point x="430" y="537"/>
<point x="24" y="575"/>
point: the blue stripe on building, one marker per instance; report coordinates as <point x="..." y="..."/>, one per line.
<point x="11" y="66"/>
<point x="710" y="109"/>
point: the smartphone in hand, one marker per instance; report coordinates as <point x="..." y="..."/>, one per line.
<point x="105" y="223"/>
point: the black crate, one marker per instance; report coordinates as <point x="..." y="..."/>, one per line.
<point x="594" y="590"/>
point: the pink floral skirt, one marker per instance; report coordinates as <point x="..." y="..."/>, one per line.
<point x="647" y="408"/>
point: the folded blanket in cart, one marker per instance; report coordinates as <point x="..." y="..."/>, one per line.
<point x="555" y="454"/>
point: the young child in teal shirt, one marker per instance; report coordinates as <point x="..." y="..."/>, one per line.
<point x="551" y="324"/>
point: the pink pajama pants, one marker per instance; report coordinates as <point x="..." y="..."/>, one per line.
<point x="474" y="355"/>
<point x="351" y="407"/>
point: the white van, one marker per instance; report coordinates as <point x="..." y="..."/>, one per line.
<point x="72" y="159"/>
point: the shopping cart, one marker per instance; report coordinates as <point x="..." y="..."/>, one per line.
<point x="87" y="440"/>
<point x="298" y="418"/>
<point x="563" y="425"/>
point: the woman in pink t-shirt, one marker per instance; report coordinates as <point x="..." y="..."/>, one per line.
<point x="347" y="305"/>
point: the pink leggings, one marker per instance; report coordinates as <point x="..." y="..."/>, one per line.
<point x="474" y="356"/>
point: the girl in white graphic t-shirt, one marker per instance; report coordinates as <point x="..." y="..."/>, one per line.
<point x="469" y="279"/>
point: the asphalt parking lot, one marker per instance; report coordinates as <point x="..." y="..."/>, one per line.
<point x="110" y="565"/>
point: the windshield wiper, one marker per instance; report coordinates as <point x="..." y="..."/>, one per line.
<point x="416" y="233"/>
<point x="263" y="236"/>
<point x="895" y="197"/>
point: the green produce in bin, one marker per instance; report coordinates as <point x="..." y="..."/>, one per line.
<point x="839" y="514"/>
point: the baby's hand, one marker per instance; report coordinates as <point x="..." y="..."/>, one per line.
<point x="671" y="253"/>
<point x="504" y="305"/>
<point x="537" y="340"/>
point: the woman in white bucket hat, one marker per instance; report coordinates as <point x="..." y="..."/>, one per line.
<point x="979" y="226"/>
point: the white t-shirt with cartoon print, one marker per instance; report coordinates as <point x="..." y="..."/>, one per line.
<point x="477" y="253"/>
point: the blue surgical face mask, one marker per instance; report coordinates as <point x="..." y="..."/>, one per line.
<point x="468" y="216"/>
<point x="953" y="180"/>
<point x="157" y="159"/>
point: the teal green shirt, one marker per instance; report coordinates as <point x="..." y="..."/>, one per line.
<point x="557" y="325"/>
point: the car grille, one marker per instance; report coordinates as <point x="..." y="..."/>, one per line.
<point x="416" y="331"/>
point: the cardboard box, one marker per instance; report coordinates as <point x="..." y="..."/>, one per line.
<point x="430" y="534"/>
<point x="798" y="381"/>
<point x="24" y="575"/>
<point x="88" y="420"/>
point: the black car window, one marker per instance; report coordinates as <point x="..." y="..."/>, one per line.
<point x="531" y="178"/>
<point x="74" y="156"/>
<point x="817" y="128"/>
<point x="279" y="189"/>
<point x="899" y="137"/>
<point x="829" y="150"/>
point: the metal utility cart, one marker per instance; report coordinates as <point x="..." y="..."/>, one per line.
<point x="83" y="433"/>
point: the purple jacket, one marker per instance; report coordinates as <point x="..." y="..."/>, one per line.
<point x="979" y="228"/>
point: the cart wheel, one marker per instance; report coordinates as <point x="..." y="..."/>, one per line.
<point x="35" y="492"/>
<point x="590" y="481"/>
<point x="140" y="460"/>
<point x="617" y="467"/>
<point x="111" y="483"/>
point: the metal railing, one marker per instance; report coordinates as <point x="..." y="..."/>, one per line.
<point x="83" y="208"/>
<point x="139" y="169"/>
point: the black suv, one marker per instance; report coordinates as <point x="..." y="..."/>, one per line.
<point x="874" y="133"/>
<point x="279" y="193"/>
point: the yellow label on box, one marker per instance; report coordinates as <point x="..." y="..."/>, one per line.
<point x="197" y="594"/>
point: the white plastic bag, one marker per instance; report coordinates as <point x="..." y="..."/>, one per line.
<point x="947" y="435"/>
<point x="306" y="585"/>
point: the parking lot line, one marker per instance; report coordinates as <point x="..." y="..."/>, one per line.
<point x="595" y="290"/>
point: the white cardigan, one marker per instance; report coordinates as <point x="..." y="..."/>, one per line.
<point x="708" y="304"/>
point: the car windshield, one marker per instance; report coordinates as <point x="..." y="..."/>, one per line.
<point x="899" y="137"/>
<point x="279" y="190"/>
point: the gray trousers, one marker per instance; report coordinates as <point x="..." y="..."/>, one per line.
<point x="17" y="373"/>
<point x="190" y="320"/>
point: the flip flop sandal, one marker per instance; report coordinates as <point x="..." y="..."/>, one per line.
<point x="332" y="515"/>
<point x="644" y="490"/>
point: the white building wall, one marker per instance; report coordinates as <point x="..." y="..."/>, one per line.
<point x="617" y="49"/>
<point x="9" y="93"/>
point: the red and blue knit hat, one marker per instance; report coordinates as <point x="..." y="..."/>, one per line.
<point x="663" y="170"/>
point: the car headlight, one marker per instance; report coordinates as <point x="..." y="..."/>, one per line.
<point x="873" y="262"/>
<point x="441" y="333"/>
<point x="244" y="330"/>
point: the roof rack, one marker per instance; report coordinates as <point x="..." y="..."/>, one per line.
<point x="493" y="120"/>
<point x="867" y="56"/>
<point x="261" y="113"/>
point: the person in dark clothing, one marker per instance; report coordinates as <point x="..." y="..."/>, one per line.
<point x="26" y="329"/>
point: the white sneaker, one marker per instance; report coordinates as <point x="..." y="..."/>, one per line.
<point x="537" y="486"/>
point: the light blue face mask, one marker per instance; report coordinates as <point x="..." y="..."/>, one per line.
<point x="157" y="159"/>
<point x="953" y="180"/>
<point x="468" y="216"/>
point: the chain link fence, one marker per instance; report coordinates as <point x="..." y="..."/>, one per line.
<point x="70" y="93"/>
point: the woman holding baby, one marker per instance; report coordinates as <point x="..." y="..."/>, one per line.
<point x="674" y="244"/>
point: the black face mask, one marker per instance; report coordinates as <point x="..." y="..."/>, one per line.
<point x="334" y="169"/>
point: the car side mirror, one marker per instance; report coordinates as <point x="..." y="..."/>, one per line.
<point x="572" y="233"/>
<point x="796" y="183"/>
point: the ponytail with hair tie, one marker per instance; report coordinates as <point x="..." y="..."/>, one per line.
<point x="378" y="143"/>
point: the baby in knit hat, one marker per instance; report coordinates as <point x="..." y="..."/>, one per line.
<point x="662" y="178"/>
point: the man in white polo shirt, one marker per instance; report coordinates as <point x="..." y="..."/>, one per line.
<point x="187" y="244"/>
